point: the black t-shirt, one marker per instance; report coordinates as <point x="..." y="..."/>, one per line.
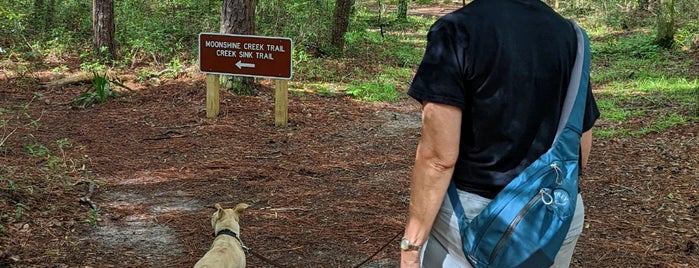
<point x="507" y="65"/>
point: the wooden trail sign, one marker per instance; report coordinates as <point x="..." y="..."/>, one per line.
<point x="246" y="55"/>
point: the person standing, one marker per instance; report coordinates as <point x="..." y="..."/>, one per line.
<point x="492" y="83"/>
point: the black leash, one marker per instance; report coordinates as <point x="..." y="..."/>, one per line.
<point x="247" y="249"/>
<point x="277" y="265"/>
<point x="381" y="249"/>
<point x="268" y="261"/>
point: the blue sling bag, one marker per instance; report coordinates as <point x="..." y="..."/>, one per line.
<point x="526" y="223"/>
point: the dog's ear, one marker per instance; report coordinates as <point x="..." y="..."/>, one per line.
<point x="219" y="210"/>
<point x="239" y="208"/>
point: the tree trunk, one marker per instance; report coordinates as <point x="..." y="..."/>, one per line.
<point x="238" y="17"/>
<point x="103" y="27"/>
<point x="666" y="24"/>
<point x="341" y="23"/>
<point x="402" y="10"/>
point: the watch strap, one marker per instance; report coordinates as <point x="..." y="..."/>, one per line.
<point x="406" y="245"/>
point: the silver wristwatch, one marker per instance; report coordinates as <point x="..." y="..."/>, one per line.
<point x="405" y="245"/>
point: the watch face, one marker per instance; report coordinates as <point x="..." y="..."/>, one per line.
<point x="404" y="244"/>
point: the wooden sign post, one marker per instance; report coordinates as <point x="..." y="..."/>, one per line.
<point x="250" y="56"/>
<point x="281" y="103"/>
<point x="213" y="89"/>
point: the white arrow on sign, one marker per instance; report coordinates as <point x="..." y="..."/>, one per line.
<point x="241" y="65"/>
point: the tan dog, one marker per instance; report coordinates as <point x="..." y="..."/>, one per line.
<point x="227" y="249"/>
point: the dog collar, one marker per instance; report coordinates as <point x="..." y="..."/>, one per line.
<point x="234" y="235"/>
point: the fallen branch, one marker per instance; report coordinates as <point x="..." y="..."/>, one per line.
<point x="272" y="155"/>
<point x="263" y="157"/>
<point x="4" y="139"/>
<point x="90" y="191"/>
<point x="288" y="209"/>
<point x="182" y="126"/>
<point x="70" y="80"/>
<point x="169" y="134"/>
<point x="283" y="249"/>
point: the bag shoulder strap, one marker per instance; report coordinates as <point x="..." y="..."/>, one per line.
<point x="574" y="106"/>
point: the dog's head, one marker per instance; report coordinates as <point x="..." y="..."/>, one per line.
<point x="227" y="218"/>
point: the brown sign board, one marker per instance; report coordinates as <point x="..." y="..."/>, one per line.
<point x="245" y="55"/>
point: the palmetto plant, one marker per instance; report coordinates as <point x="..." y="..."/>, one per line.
<point x="99" y="91"/>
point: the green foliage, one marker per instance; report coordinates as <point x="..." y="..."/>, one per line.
<point x="640" y="87"/>
<point x="14" y="118"/>
<point x="687" y="36"/>
<point x="99" y="91"/>
<point x="242" y="88"/>
<point x="63" y="143"/>
<point x="631" y="56"/>
<point x="326" y="92"/>
<point x="429" y="2"/>
<point x="11" y="24"/>
<point x="384" y="51"/>
<point x="37" y="150"/>
<point x="380" y="49"/>
<point x="643" y="88"/>
<point x="404" y="55"/>
<point x="145" y="29"/>
<point x="660" y="124"/>
<point x="163" y="29"/>
<point x="22" y="21"/>
<point x="94" y="215"/>
<point x="639" y="45"/>
<point x="309" y="68"/>
<point x="27" y="188"/>
<point x="11" y="185"/>
<point x="56" y="165"/>
<point x="19" y="210"/>
<point x="358" y="38"/>
<point x="307" y="22"/>
<point x="373" y="91"/>
<point x="646" y="105"/>
<point x="175" y="65"/>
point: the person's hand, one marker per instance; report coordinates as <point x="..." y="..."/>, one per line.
<point x="410" y="259"/>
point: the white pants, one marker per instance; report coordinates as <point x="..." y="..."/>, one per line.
<point x="444" y="249"/>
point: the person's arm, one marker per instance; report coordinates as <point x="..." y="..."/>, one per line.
<point x="435" y="159"/>
<point x="585" y="148"/>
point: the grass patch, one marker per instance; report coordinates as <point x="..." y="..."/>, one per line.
<point x="612" y="112"/>
<point x="633" y="55"/>
<point x="611" y="132"/>
<point x="373" y="91"/>
<point x="640" y="87"/>
<point x="660" y="124"/>
<point x="643" y="106"/>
